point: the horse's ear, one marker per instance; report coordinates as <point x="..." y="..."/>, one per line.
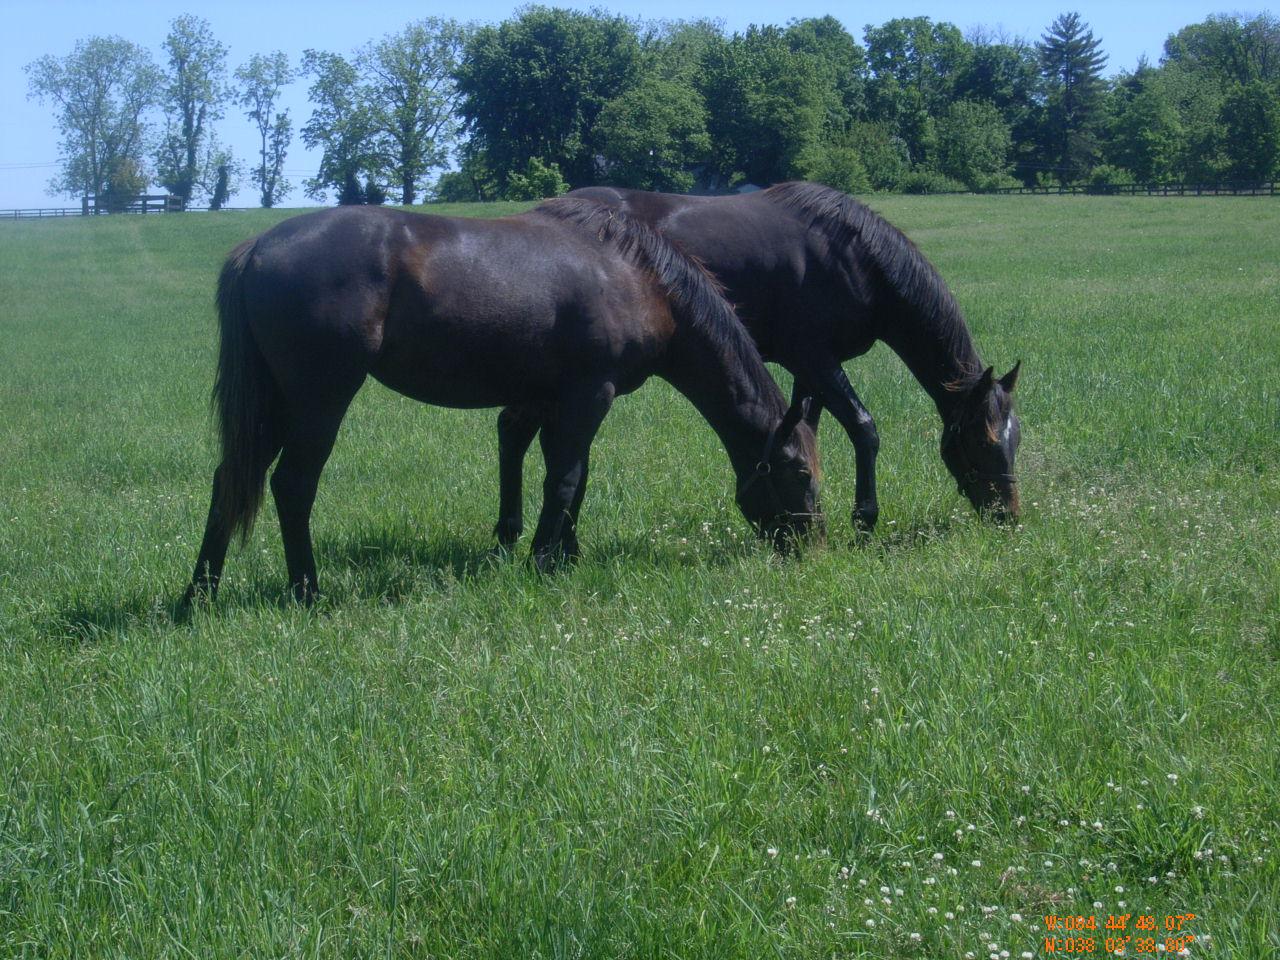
<point x="983" y="386"/>
<point x="1010" y="379"/>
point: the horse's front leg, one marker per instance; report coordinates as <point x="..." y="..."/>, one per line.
<point x="566" y="438"/>
<point x="801" y="391"/>
<point x="831" y="389"/>
<point x="517" y="427"/>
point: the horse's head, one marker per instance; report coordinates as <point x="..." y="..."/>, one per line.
<point x="979" y="442"/>
<point x="779" y="494"/>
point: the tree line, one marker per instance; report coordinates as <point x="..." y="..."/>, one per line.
<point x="551" y="99"/>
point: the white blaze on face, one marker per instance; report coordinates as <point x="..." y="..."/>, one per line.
<point x="1008" y="429"/>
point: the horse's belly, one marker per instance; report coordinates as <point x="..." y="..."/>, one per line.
<point x="461" y="378"/>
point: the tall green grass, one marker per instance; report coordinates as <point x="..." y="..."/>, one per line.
<point x="684" y="747"/>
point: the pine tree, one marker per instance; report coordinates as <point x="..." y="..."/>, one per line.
<point x="1071" y="64"/>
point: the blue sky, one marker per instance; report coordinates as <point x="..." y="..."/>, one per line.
<point x="28" y="138"/>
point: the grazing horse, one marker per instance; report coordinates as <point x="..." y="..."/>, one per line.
<point x="558" y="310"/>
<point x="817" y="278"/>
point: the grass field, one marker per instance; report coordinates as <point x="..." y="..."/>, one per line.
<point x="684" y="747"/>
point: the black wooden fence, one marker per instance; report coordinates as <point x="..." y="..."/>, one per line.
<point x="1241" y="188"/>
<point x="1235" y="188"/>
<point x="159" y="203"/>
<point x="90" y="206"/>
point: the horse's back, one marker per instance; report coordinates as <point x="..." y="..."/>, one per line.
<point x="453" y="311"/>
<point x="789" y="286"/>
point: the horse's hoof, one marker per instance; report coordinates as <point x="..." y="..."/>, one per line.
<point x="508" y="532"/>
<point x="198" y="595"/>
<point x="864" y="518"/>
<point x="552" y="560"/>
<point x="304" y="594"/>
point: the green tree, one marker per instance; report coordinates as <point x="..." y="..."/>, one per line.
<point x="537" y="181"/>
<point x="1071" y="63"/>
<point x="340" y="126"/>
<point x="261" y="81"/>
<point x="193" y="97"/>
<point x="534" y="86"/>
<point x="222" y="188"/>
<point x="125" y="182"/>
<point x="914" y="66"/>
<point x="674" y="50"/>
<point x="1006" y="73"/>
<point x="841" y="64"/>
<point x="973" y="144"/>
<point x="1147" y="132"/>
<point x="837" y="164"/>
<point x="1199" y="98"/>
<point x="768" y="105"/>
<point x="473" y="181"/>
<point x="1251" y="118"/>
<point x="1231" y="48"/>
<point x="412" y="99"/>
<point x="101" y="91"/>
<point x="654" y="135"/>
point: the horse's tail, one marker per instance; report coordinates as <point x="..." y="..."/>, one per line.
<point x="243" y="396"/>
<point x="696" y="295"/>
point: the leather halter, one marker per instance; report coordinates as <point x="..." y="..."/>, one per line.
<point x="763" y="471"/>
<point x="972" y="474"/>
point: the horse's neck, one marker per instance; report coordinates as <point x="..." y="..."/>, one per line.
<point x="939" y="355"/>
<point x="735" y="394"/>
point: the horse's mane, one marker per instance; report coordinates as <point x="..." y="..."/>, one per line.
<point x="697" y="295"/>
<point x="902" y="266"/>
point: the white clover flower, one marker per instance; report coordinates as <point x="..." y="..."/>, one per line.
<point x="772" y="851"/>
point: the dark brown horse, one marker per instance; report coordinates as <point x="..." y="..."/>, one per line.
<point x="817" y="278"/>
<point x="557" y="311"/>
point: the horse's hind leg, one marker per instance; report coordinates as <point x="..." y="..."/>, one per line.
<point x="217" y="534"/>
<point x="838" y="396"/>
<point x="566" y="443"/>
<point x="517" y="427"/>
<point x="308" y="440"/>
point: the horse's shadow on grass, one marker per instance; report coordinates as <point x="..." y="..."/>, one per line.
<point x="394" y="566"/>
<point x="83" y="623"/>
<point x="898" y="538"/>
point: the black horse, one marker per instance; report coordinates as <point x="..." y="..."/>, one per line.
<point x="817" y="278"/>
<point x="558" y="310"/>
